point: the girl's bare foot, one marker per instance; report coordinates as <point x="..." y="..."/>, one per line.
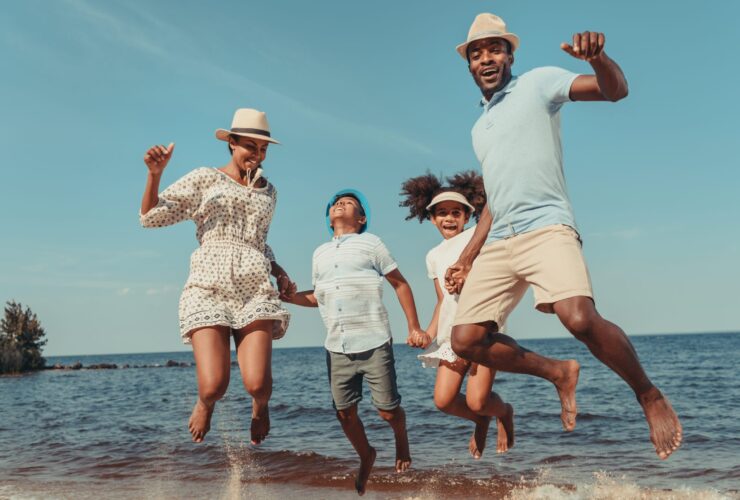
<point x="366" y="466"/>
<point x="505" y="429"/>
<point x="665" y="429"/>
<point x="200" y="421"/>
<point x="566" y="386"/>
<point x="260" y="427"/>
<point x="478" y="439"/>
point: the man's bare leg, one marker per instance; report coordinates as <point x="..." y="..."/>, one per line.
<point x="609" y="344"/>
<point x="481" y="343"/>
<point x="355" y="432"/>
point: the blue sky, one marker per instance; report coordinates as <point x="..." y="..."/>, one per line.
<point x="362" y="95"/>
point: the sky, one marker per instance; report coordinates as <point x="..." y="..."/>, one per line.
<point x="363" y="95"/>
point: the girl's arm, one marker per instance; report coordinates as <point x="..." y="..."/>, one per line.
<point x="305" y="298"/>
<point x="417" y="337"/>
<point x="432" y="328"/>
<point x="156" y="159"/>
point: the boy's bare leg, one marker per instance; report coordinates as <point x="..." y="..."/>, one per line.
<point x="397" y="420"/>
<point x="212" y="366"/>
<point x="483" y="401"/>
<point x="481" y="343"/>
<point x="609" y="344"/>
<point x="355" y="432"/>
<point x="254" y="352"/>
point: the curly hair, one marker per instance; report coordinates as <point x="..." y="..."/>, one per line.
<point x="419" y="192"/>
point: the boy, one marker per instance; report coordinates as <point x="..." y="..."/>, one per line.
<point x="347" y="274"/>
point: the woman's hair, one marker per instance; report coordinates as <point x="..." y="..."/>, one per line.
<point x="419" y="192"/>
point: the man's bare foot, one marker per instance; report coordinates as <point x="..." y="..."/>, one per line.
<point x="566" y="386"/>
<point x="260" y="427"/>
<point x="366" y="466"/>
<point x="478" y="439"/>
<point x="200" y="421"/>
<point x="505" y="429"/>
<point x="666" y="432"/>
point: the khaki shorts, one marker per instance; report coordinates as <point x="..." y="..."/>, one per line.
<point x="549" y="259"/>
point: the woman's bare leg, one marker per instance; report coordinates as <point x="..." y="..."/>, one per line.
<point x="212" y="366"/>
<point x="254" y="352"/>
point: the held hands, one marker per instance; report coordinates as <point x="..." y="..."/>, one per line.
<point x="587" y="46"/>
<point x="455" y="277"/>
<point x="286" y="288"/>
<point x="157" y="157"/>
<point x="418" y="338"/>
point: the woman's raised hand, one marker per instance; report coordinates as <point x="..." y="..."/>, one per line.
<point x="157" y="157"/>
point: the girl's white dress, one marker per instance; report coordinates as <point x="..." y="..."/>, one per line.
<point x="439" y="259"/>
<point x="229" y="282"/>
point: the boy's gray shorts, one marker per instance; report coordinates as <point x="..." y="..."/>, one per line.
<point x="377" y="366"/>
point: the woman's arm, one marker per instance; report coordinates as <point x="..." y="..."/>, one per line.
<point x="156" y="159"/>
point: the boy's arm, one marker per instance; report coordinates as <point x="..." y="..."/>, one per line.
<point x="417" y="337"/>
<point x="305" y="298"/>
<point x="286" y="286"/>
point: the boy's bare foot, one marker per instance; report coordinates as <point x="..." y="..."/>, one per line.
<point x="566" y="386"/>
<point x="200" y="421"/>
<point x="505" y="428"/>
<point x="478" y="439"/>
<point x="260" y="427"/>
<point x="666" y="432"/>
<point x="366" y="466"/>
<point x="403" y="454"/>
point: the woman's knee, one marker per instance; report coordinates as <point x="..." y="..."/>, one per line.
<point x="212" y="390"/>
<point x="259" y="388"/>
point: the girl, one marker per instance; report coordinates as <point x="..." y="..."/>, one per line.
<point x="449" y="209"/>
<point x="228" y="292"/>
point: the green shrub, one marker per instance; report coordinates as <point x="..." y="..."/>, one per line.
<point x="21" y="340"/>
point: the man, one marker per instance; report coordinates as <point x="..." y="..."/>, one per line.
<point x="528" y="236"/>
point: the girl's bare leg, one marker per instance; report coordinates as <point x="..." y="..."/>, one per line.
<point x="254" y="352"/>
<point x="483" y="401"/>
<point x="448" y="399"/>
<point x="212" y="366"/>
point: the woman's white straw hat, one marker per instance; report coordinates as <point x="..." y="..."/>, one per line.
<point x="450" y="196"/>
<point x="248" y="122"/>
<point x="487" y="26"/>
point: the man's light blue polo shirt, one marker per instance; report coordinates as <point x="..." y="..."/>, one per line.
<point x="348" y="285"/>
<point x="517" y="141"/>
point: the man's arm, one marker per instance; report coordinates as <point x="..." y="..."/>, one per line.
<point x="305" y="299"/>
<point x="458" y="272"/>
<point x="417" y="337"/>
<point x="608" y="82"/>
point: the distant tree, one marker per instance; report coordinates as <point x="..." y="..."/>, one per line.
<point x="21" y="340"/>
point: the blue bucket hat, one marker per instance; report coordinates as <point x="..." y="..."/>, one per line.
<point x="359" y="197"/>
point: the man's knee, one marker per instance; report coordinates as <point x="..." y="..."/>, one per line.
<point x="581" y="319"/>
<point x="466" y="338"/>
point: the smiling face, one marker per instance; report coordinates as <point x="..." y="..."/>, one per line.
<point x="347" y="212"/>
<point x="489" y="62"/>
<point x="450" y="218"/>
<point x="247" y="153"/>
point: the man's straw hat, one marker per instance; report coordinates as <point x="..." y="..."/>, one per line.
<point x="248" y="122"/>
<point x="487" y="26"/>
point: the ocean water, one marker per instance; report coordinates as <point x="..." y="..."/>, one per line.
<point x="122" y="433"/>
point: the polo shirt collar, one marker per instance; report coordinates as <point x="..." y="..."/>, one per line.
<point x="500" y="94"/>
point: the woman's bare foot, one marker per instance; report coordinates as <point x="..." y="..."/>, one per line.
<point x="505" y="430"/>
<point x="666" y="432"/>
<point x="260" y="427"/>
<point x="366" y="466"/>
<point x="566" y="386"/>
<point x="200" y="420"/>
<point x="478" y="440"/>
